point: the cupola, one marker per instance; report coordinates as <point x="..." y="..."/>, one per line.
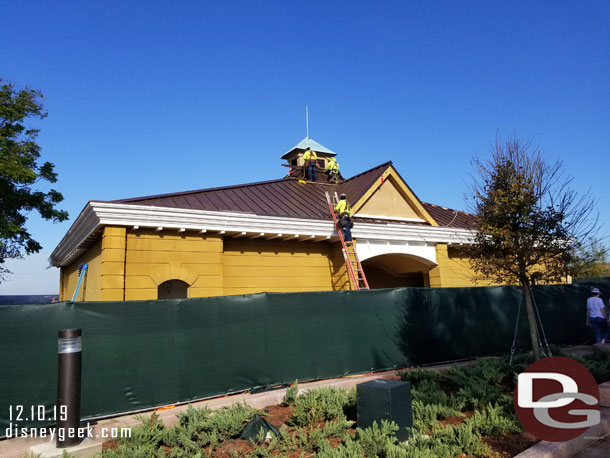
<point x="295" y="155"/>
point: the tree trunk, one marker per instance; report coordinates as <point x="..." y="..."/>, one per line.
<point x="531" y="317"/>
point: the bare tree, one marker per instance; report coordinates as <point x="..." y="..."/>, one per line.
<point x="529" y="221"/>
<point x="592" y="259"/>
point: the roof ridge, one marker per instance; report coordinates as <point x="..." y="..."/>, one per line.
<point x="388" y="163"/>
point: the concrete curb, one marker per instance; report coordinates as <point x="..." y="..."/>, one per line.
<point x="544" y="449"/>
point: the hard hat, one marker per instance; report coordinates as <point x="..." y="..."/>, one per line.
<point x="342" y="196"/>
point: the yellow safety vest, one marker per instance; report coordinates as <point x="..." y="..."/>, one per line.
<point x="343" y="208"/>
<point x="310" y="156"/>
<point x="332" y="166"/>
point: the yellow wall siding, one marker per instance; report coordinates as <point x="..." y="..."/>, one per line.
<point x="253" y="266"/>
<point x="90" y="289"/>
<point x="453" y="270"/>
<point x="130" y="265"/>
<point x="154" y="257"/>
<point x="338" y="269"/>
<point x="113" y="264"/>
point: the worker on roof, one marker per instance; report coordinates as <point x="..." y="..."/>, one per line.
<point x="311" y="164"/>
<point x="344" y="211"/>
<point x="332" y="168"/>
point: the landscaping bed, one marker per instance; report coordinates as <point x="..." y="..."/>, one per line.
<point x="464" y="412"/>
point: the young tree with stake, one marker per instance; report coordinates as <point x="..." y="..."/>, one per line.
<point x="529" y="221"/>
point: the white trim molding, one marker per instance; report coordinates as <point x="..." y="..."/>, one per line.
<point x="420" y="250"/>
<point x="96" y="215"/>
<point x="391" y="218"/>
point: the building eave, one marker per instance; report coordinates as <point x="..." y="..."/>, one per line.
<point x="85" y="230"/>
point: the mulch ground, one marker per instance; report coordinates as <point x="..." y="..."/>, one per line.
<point x="509" y="445"/>
<point x="457" y="420"/>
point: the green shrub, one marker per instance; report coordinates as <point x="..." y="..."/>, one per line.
<point x="337" y="428"/>
<point x="151" y="432"/>
<point x="485" y="387"/>
<point x="282" y="443"/>
<point x="418" y="376"/>
<point x="492" y="421"/>
<point x="480" y="384"/>
<point x="448" y="441"/>
<point x="598" y="365"/>
<point x="426" y="416"/>
<point x="308" y="439"/>
<point x="196" y="429"/>
<point x="376" y="439"/>
<point x="291" y="394"/>
<point x="348" y="449"/>
<point x="429" y="392"/>
<point x="319" y="404"/>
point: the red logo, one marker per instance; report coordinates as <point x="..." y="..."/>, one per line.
<point x="557" y="399"/>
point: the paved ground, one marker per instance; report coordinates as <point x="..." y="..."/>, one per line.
<point x="599" y="449"/>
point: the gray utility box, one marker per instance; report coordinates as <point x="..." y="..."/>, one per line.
<point x="385" y="400"/>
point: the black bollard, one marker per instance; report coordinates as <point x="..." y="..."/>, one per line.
<point x="68" y="386"/>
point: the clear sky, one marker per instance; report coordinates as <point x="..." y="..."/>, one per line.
<point x="147" y="97"/>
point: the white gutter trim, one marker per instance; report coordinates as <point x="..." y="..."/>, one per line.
<point x="391" y="218"/>
<point x="70" y="246"/>
<point x="98" y="214"/>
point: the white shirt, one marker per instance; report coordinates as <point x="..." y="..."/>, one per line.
<point x="595" y="306"/>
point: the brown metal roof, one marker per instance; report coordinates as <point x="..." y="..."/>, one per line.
<point x="448" y="217"/>
<point x="287" y="197"/>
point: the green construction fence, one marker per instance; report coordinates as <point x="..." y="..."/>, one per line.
<point x="142" y="354"/>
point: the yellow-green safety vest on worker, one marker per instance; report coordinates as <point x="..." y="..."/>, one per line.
<point x="332" y="166"/>
<point x="310" y="155"/>
<point x="343" y="207"/>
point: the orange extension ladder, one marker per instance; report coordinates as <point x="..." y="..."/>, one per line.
<point x="354" y="268"/>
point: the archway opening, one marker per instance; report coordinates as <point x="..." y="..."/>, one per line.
<point x="396" y="270"/>
<point x="172" y="289"/>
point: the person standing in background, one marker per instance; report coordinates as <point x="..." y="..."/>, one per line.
<point x="597" y="316"/>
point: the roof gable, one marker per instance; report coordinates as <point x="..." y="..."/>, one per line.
<point x="388" y="201"/>
<point x="390" y="197"/>
<point x="358" y="185"/>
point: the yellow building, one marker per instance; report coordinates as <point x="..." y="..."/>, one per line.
<point x="274" y="236"/>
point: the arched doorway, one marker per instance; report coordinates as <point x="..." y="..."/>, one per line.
<point x="172" y="289"/>
<point x="396" y="270"/>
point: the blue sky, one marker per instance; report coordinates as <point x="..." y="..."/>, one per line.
<point x="146" y="97"/>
